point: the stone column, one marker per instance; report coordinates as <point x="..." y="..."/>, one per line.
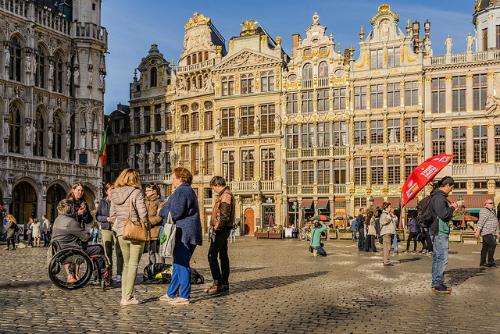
<point x="428" y="142"/>
<point x="427" y="98"/>
<point x="491" y="143"/>
<point x="449" y="140"/>
<point x="448" y="94"/>
<point x="469" y="145"/>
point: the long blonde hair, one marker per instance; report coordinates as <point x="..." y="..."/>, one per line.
<point x="11" y="218"/>
<point x="128" y="177"/>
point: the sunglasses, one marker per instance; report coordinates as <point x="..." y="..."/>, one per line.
<point x="490" y="203"/>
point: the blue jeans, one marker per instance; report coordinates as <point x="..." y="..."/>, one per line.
<point x="439" y="259"/>
<point x="181" y="272"/>
<point x="320" y="250"/>
<point x="395" y="243"/>
<point x="361" y="239"/>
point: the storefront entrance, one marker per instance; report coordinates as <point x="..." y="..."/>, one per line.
<point x="249" y="222"/>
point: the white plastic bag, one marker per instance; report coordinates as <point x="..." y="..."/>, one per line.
<point x="167" y="238"/>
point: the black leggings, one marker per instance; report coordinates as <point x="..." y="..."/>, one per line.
<point x="412" y="236"/>
<point x="12" y="241"/>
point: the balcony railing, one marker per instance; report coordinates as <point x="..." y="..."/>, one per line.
<point x="339" y="150"/>
<point x="339" y="189"/>
<point x="292" y="153"/>
<point x="307" y="84"/>
<point x="90" y="31"/>
<point x="292" y="190"/>
<point x="322" y="82"/>
<point x="307" y="152"/>
<point x="308" y="190"/>
<point x="323" y="189"/>
<point x="465" y="57"/>
<point x="17" y="7"/>
<point x="459" y="169"/>
<point x="256" y="186"/>
<point x="196" y="67"/>
<point x="274" y="185"/>
<point x="323" y="152"/>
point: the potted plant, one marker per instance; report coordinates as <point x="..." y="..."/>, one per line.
<point x="260" y="234"/>
<point x="276" y="232"/>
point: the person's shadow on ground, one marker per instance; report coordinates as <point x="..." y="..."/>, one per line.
<point x="460" y="275"/>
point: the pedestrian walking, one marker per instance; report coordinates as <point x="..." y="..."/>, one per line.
<point x="442" y="211"/>
<point x="12" y="229"/>
<point x="29" y="231"/>
<point x="182" y="206"/>
<point x="316" y="245"/>
<point x="354" y="229"/>
<point x="82" y="210"/>
<point x="127" y="203"/>
<point x="361" y="229"/>
<point x="222" y="223"/>
<point x="488" y="229"/>
<point x="36" y="228"/>
<point x="109" y="238"/>
<point x="387" y="229"/>
<point x="414" y="231"/>
<point x="370" y="227"/>
<point x="46" y="231"/>
<point x="152" y="205"/>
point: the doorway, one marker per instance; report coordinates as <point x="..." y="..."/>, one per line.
<point x="249" y="222"/>
<point x="24" y="202"/>
<point x="55" y="193"/>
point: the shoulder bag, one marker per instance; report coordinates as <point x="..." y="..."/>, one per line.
<point x="134" y="230"/>
<point x="167" y="238"/>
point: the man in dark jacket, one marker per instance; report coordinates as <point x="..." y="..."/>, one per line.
<point x="361" y="229"/>
<point x="442" y="211"/>
<point x="222" y="223"/>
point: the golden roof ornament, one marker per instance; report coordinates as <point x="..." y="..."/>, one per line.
<point x="315" y="18"/>
<point x="248" y="28"/>
<point x="197" y="19"/>
<point x="361" y="33"/>
<point x="385" y="10"/>
<point x="278" y="40"/>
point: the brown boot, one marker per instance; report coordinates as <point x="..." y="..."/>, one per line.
<point x="214" y="289"/>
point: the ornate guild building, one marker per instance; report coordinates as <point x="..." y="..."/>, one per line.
<point x="52" y="71"/>
<point x="324" y="129"/>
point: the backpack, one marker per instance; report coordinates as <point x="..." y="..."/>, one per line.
<point x="425" y="217"/>
<point x="196" y="277"/>
<point x="159" y="273"/>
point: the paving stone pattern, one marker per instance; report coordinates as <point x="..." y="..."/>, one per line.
<point x="276" y="287"/>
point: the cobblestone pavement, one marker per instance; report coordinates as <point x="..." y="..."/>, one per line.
<point x="277" y="287"/>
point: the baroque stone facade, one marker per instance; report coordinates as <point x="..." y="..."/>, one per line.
<point x="321" y="130"/>
<point x="52" y="73"/>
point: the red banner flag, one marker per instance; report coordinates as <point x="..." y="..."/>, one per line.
<point x="422" y="175"/>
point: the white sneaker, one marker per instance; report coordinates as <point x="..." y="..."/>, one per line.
<point x="131" y="301"/>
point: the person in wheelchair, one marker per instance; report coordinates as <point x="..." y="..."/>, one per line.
<point x="68" y="233"/>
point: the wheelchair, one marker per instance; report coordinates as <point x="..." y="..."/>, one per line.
<point x="75" y="262"/>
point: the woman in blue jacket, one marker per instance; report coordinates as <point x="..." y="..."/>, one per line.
<point x="182" y="205"/>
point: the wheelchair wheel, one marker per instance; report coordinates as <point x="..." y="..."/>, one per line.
<point x="70" y="261"/>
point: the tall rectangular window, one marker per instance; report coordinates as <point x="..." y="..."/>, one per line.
<point x="247" y="120"/>
<point x="195" y="122"/>
<point x="459" y="144"/>
<point x="458" y="93"/>
<point x="497" y="143"/>
<point x="209" y="158"/>
<point x="137" y="121"/>
<point x="157" y="124"/>
<point x="480" y="143"/>
<point x="339" y="99"/>
<point x="292" y="104"/>
<point x="479" y="91"/>
<point x="411" y="130"/>
<point x="147" y="119"/>
<point x="322" y="100"/>
<point x="484" y="36"/>
<point x="360" y="133"/>
<point x="247" y="83"/>
<point x="377" y="169"/>
<point x="292" y="136"/>
<point x="323" y="134"/>
<point x="247" y="165"/>
<point x="393" y="169"/>
<point x="411" y="93"/>
<point x="292" y="173"/>
<point x="228" y="122"/>
<point x="184" y="119"/>
<point x="307" y="172"/>
<point x="359" y="171"/>
<point x="438" y="89"/>
<point x="377" y="131"/>
<point x="307" y="135"/>
<point x="360" y="97"/>
<point x="208" y="120"/>
<point x="185" y="156"/>
<point x="323" y="172"/>
<point x="377" y="59"/>
<point x="267" y="81"/>
<point x="340" y="133"/>
<point x="498" y="36"/>
<point x="393" y="130"/>
<point x="393" y="94"/>
<point x="307" y="102"/>
<point x="376" y="96"/>
<point x="438" y="141"/>
<point x="228" y="165"/>
<point x="267" y="114"/>
<point x="267" y="159"/>
<point x="227" y="86"/>
<point x="411" y="162"/>
<point x="393" y="57"/>
<point x="195" y="158"/>
<point x="339" y="171"/>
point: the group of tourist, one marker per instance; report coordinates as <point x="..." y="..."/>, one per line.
<point x="35" y="232"/>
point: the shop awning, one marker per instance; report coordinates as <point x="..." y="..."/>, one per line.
<point x="471" y="201"/>
<point x="306" y="203"/>
<point x="323" y="204"/>
<point x="340" y="199"/>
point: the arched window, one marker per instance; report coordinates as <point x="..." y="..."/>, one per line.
<point x="15" y="59"/>
<point x="41" y="62"/>
<point x="307" y="72"/>
<point x="15" y="129"/>
<point x="57" y="137"/>
<point x="38" y="150"/>
<point x="57" y="83"/>
<point x="323" y="69"/>
<point x="194" y="58"/>
<point x="188" y="61"/>
<point x="153" y="74"/>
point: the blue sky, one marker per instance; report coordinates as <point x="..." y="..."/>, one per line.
<point x="134" y="25"/>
